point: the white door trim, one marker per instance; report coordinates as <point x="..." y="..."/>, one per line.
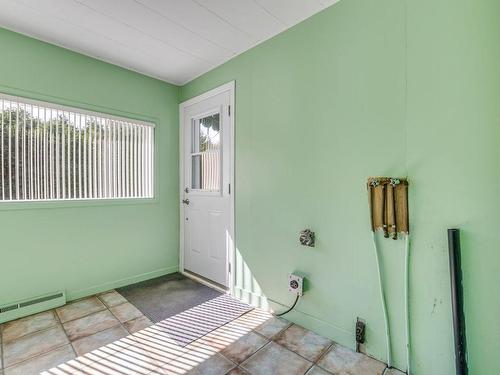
<point x="228" y="87"/>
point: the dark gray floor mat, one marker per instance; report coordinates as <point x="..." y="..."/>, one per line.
<point x="165" y="296"/>
<point x="183" y="308"/>
<point x="202" y="319"/>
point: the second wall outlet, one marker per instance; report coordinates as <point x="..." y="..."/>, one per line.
<point x="296" y="284"/>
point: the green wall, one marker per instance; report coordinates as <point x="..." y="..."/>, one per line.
<point x="453" y="138"/>
<point x="364" y="88"/>
<point x="370" y="88"/>
<point x="86" y="247"/>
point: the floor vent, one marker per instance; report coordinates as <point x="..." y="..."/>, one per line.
<point x="19" y="309"/>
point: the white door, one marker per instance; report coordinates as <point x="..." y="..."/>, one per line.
<point x="206" y="206"/>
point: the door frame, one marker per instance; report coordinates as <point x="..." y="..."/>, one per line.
<point x="230" y="269"/>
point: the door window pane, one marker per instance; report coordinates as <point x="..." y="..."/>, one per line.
<point x="206" y="134"/>
<point x="196" y="172"/>
<point x="205" y="153"/>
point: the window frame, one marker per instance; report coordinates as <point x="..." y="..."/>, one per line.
<point x="91" y="110"/>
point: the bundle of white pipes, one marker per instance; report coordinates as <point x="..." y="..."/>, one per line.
<point x="388" y="198"/>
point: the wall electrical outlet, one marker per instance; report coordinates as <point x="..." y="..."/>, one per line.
<point x="360" y="335"/>
<point x="296" y="284"/>
<point x="360" y="331"/>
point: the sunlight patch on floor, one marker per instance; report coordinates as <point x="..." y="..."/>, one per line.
<point x="159" y="347"/>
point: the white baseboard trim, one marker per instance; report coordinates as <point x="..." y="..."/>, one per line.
<point x="251" y="298"/>
<point x="203" y="281"/>
<point x="76" y="294"/>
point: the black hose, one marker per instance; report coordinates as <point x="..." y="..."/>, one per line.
<point x="290" y="309"/>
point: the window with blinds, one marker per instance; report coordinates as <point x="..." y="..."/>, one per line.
<point x="58" y="153"/>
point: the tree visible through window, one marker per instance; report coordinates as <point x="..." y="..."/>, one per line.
<point x="64" y="153"/>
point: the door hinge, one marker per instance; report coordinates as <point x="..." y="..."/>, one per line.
<point x="229" y="265"/>
<point x="229" y="110"/>
<point x="229" y="188"/>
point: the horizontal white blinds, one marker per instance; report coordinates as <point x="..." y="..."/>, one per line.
<point x="60" y="154"/>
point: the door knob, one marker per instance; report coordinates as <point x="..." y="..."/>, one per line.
<point x="185" y="201"/>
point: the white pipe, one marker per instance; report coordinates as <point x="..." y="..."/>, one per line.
<point x="407" y="302"/>
<point x="384" y="305"/>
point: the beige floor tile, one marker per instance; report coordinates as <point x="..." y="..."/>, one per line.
<point x="178" y="366"/>
<point x="38" y="343"/>
<point x="129" y="362"/>
<point x="30" y="324"/>
<point x="142" y="357"/>
<point x="252" y="319"/>
<point x="394" y="371"/>
<point x="277" y="360"/>
<point x="126" y="312"/>
<point x="303" y="342"/>
<point x="137" y="324"/>
<point x="160" y="347"/>
<point x="169" y="371"/>
<point x="194" y="363"/>
<point x="32" y="345"/>
<point x="214" y="365"/>
<point x="235" y="328"/>
<point x="90" y="324"/>
<point x="76" y="368"/>
<point x="112" y="298"/>
<point x="70" y="367"/>
<point x="316" y="370"/>
<point x="343" y="360"/>
<point x="244" y="347"/>
<point x="217" y="340"/>
<point x="79" y="309"/>
<point x="237" y="371"/>
<point x="88" y="364"/>
<point x="272" y="326"/>
<point x="43" y="362"/>
<point x="203" y="348"/>
<point x="99" y="339"/>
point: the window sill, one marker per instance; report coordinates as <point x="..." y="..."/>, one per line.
<point x="80" y="203"/>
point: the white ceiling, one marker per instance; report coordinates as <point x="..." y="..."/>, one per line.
<point x="173" y="40"/>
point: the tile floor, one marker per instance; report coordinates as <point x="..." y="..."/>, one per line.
<point x="106" y="335"/>
<point x="52" y="337"/>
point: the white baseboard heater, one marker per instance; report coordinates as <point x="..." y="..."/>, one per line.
<point x="19" y="309"/>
